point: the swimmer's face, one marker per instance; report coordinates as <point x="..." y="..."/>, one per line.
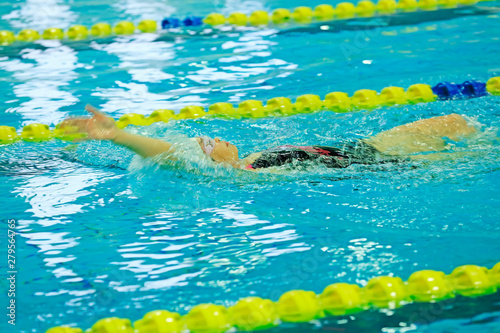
<point x="220" y="151"/>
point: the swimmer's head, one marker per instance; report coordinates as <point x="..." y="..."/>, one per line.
<point x="219" y="151"/>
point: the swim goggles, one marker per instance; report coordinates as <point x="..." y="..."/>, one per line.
<point x="207" y="144"/>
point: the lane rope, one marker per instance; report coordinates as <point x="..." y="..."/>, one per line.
<point x="278" y="18"/>
<point x="341" y="102"/>
<point x="299" y="306"/>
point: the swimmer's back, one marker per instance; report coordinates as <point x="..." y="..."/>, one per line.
<point x="357" y="152"/>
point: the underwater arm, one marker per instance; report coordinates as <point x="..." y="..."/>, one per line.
<point x="422" y="136"/>
<point x="446" y="156"/>
<point x="453" y="126"/>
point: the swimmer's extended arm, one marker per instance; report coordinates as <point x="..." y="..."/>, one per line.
<point x="142" y="145"/>
<point x="101" y="127"/>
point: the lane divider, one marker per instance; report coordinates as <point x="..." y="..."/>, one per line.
<point x="298" y="306"/>
<point x="279" y="17"/>
<point x="325" y="12"/>
<point x="363" y="99"/>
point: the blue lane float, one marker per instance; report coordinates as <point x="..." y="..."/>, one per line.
<point x="473" y="89"/>
<point x="468" y="89"/>
<point x="173" y="22"/>
<point x="170" y="22"/>
<point x="192" y="21"/>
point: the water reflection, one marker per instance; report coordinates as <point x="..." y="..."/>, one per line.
<point x="41" y="14"/>
<point x="52" y="243"/>
<point x="58" y="195"/>
<point x="42" y="76"/>
<point x="154" y="10"/>
<point x="237" y="215"/>
<point x="244" y="6"/>
<point x="142" y="58"/>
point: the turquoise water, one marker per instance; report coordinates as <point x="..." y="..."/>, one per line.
<point x="104" y="233"/>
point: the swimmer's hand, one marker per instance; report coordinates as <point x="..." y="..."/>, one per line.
<point x="98" y="127"/>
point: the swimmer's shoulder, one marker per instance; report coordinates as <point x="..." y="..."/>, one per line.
<point x="250" y="159"/>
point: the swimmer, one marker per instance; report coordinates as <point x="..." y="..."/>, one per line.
<point x="396" y="144"/>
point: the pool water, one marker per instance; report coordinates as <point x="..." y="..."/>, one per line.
<point x="103" y="233"/>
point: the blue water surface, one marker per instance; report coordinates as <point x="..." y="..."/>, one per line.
<point x="104" y="233"/>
